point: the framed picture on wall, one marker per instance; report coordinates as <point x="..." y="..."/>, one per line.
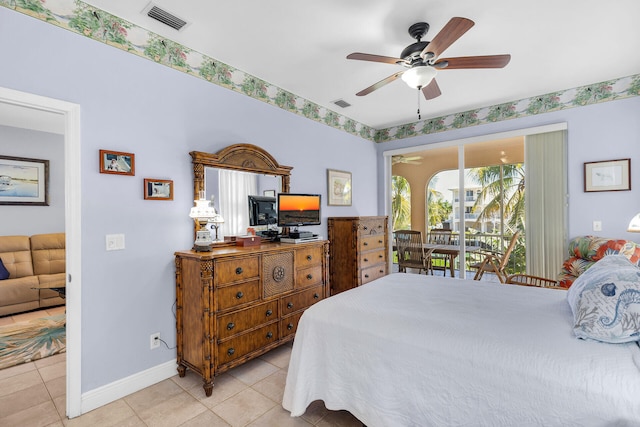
<point x="608" y="175"/>
<point x="158" y="189"/>
<point x="24" y="181"/>
<point x="117" y="162"/>
<point x="339" y="188"/>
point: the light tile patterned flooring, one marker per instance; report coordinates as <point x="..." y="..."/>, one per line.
<point x="33" y="394"/>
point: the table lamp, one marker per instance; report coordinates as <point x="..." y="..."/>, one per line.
<point x="202" y="213"/>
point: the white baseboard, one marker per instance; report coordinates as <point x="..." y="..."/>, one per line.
<point x="118" y="389"/>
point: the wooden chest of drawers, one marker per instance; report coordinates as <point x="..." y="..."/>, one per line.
<point x="236" y="303"/>
<point x="358" y="252"/>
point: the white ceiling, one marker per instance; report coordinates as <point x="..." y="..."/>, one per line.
<point x="301" y="45"/>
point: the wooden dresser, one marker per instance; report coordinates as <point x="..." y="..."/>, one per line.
<point x="236" y="303"/>
<point x="359" y="251"/>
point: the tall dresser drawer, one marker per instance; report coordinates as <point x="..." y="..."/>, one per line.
<point x="371" y="226"/>
<point x="309" y="256"/>
<point x="246" y="343"/>
<point x="368" y="243"/>
<point x="309" y="277"/>
<point x="240" y="321"/>
<point x="233" y="270"/>
<point x="367" y="259"/>
<point x="237" y="295"/>
<point x="289" y="324"/>
<point x="373" y="273"/>
<point x="300" y="300"/>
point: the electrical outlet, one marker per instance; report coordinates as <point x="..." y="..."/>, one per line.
<point x="154" y="340"/>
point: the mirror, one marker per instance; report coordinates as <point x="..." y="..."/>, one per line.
<point x="242" y="158"/>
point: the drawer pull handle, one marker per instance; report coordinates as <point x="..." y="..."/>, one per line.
<point x="239" y="270"/>
<point x="366" y="244"/>
<point x="289" y="305"/>
<point x="380" y="256"/>
<point x="309" y="257"/>
<point x="269" y="334"/>
<point x="230" y="326"/>
<point x="381" y="271"/>
<point x="366" y="260"/>
<point x="316" y="296"/>
<point x="366" y="276"/>
<point x="290" y="326"/>
<point x="269" y="313"/>
<point x="309" y="276"/>
<point x="231" y="351"/>
<point x="239" y="295"/>
<point x="379" y="241"/>
<point x="365" y="227"/>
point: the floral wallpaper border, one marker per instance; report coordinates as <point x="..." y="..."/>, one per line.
<point x="86" y="20"/>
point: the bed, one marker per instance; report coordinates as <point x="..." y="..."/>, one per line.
<point x="418" y="350"/>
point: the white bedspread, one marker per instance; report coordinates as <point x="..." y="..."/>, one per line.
<point x="416" y="350"/>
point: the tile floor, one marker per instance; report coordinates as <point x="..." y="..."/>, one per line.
<point x="33" y="395"/>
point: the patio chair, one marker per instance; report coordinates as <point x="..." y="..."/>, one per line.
<point x="411" y="252"/>
<point x="440" y="237"/>
<point x="529" y="280"/>
<point x="496" y="262"/>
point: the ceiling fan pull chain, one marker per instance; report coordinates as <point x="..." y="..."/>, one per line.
<point x="419" y="118"/>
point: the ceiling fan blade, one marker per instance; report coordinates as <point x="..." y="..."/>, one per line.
<point x="489" y="61"/>
<point x="432" y="90"/>
<point x="374" y="58"/>
<point x="451" y="32"/>
<point x="378" y="85"/>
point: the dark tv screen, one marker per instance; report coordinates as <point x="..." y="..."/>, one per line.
<point x="262" y="210"/>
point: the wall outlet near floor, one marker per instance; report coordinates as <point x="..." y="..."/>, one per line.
<point x="154" y="341"/>
<point x="597" y="225"/>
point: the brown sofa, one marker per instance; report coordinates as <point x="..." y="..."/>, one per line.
<point x="32" y="262"/>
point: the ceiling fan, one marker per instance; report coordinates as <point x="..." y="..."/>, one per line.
<point x="411" y="160"/>
<point x="422" y="58"/>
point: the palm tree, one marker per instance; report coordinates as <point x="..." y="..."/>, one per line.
<point x="438" y="209"/>
<point x="400" y="203"/>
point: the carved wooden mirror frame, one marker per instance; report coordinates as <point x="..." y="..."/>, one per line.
<point x="240" y="157"/>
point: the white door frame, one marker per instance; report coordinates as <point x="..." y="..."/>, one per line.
<point x="71" y="115"/>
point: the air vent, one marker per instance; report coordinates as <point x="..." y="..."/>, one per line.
<point x="342" y="103"/>
<point x="165" y="17"/>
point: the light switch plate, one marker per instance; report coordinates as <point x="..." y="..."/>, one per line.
<point x="115" y="242"/>
<point x="597" y="225"/>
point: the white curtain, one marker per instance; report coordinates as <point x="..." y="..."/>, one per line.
<point x="546" y="201"/>
<point x="235" y="187"/>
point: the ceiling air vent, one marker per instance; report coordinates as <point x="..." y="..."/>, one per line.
<point x="165" y="17"/>
<point x="342" y="103"/>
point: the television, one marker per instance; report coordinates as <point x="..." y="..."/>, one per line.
<point x="262" y="210"/>
<point x="295" y="210"/>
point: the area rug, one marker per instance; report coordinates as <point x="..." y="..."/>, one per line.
<point x="32" y="340"/>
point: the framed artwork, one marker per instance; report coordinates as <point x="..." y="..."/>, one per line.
<point x="158" y="189"/>
<point x="608" y="175"/>
<point x="339" y="188"/>
<point x="24" y="181"/>
<point x="117" y="162"/>
<point x="269" y="193"/>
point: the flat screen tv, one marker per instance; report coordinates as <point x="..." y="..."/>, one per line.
<point x="262" y="210"/>
<point x="295" y="210"/>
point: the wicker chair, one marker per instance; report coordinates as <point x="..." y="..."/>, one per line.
<point x="528" y="280"/>
<point x="411" y="252"/>
<point x="495" y="262"/>
<point x="440" y="237"/>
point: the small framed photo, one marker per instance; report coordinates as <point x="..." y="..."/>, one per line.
<point x="339" y="188"/>
<point x="158" y="189"/>
<point x="117" y="162"/>
<point x="608" y="175"/>
<point x="24" y="181"/>
<point x="269" y="193"/>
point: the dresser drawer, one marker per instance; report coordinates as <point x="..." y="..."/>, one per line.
<point x="289" y="324"/>
<point x="300" y="300"/>
<point x="309" y="256"/>
<point x="233" y="270"/>
<point x="371" y="226"/>
<point x="367" y="243"/>
<point x="372" y="273"/>
<point x="243" y="320"/>
<point x="236" y="295"/>
<point x="309" y="277"/>
<point x="368" y="259"/>
<point x="246" y="343"/>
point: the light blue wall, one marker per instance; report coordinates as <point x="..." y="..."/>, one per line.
<point x="606" y="131"/>
<point x="134" y="105"/>
<point x="32" y="144"/>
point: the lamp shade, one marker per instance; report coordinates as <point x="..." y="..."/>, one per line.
<point x="634" y="224"/>
<point x="202" y="210"/>
<point x="420" y="76"/>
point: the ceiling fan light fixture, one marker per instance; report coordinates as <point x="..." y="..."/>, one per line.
<point x="419" y="77"/>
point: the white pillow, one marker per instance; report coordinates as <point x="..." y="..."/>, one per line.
<point x="605" y="301"/>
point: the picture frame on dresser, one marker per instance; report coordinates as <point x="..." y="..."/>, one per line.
<point x="338" y="188"/>
<point x="24" y="181"/>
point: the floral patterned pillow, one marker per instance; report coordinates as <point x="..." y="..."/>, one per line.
<point x="605" y="301"/>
